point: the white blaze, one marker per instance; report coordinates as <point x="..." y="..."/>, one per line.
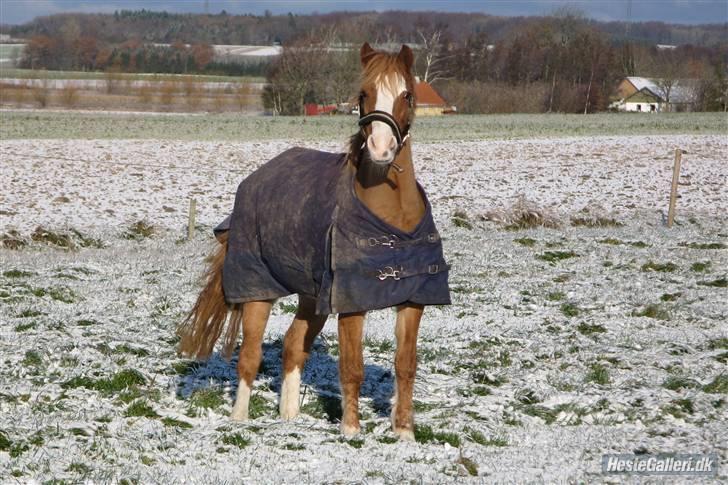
<point x="381" y="142"/>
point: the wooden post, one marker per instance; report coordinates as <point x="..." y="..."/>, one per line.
<point x="673" y="190"/>
<point x="191" y="220"/>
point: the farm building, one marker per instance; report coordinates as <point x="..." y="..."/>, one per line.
<point x="646" y="95"/>
<point x="429" y="102"/>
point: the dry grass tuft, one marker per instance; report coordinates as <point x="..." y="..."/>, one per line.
<point x="524" y="214"/>
<point x="594" y="216"/>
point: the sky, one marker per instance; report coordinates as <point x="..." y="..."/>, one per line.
<point x="672" y="11"/>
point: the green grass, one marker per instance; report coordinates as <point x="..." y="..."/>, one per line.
<point x="719" y="385"/>
<point x="384" y="346"/>
<point x="288" y="307"/>
<point x="675" y="383"/>
<point x="555" y="256"/>
<point x="139" y="230"/>
<point x="597" y="374"/>
<point x="235" y="127"/>
<point x="477" y="437"/>
<point x="235" y="439"/>
<point x="469" y="465"/>
<point x="538" y="411"/>
<point x="671" y="296"/>
<point x="16" y="273"/>
<point x="460" y="219"/>
<point x="659" y="267"/>
<point x="175" y="423"/>
<point x="140" y="408"/>
<point x="718" y="343"/>
<point x="32" y="359"/>
<point x="555" y="296"/>
<point x="570" y="310"/>
<point x="589" y="329"/>
<point x="700" y="266"/>
<point x="133" y="76"/>
<point x="425" y="434"/>
<point x="694" y="245"/>
<point x="5" y="442"/>
<point x="124" y="379"/>
<point x="653" y="310"/>
<point x="719" y="283"/>
<point x="207" y="398"/>
<point x="324" y="407"/>
<point x="525" y="241"/>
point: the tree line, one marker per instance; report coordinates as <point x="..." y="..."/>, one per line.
<point x="562" y="63"/>
<point x="356" y="27"/>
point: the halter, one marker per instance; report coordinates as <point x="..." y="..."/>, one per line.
<point x="400" y="135"/>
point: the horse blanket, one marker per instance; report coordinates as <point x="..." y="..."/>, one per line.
<point x="297" y="226"/>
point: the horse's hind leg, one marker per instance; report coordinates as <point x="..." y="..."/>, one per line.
<point x="351" y="369"/>
<point x="296" y="347"/>
<point x="405" y="366"/>
<point x="255" y="318"/>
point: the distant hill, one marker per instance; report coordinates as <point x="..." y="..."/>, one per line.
<point x="401" y="26"/>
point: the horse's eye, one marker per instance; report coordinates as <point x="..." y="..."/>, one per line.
<point x="408" y="97"/>
<point x="362" y="95"/>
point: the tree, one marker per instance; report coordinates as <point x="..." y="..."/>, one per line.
<point x="202" y="55"/>
<point x="433" y="56"/>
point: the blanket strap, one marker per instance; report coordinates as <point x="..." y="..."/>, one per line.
<point x="399" y="272"/>
<point x="394" y="242"/>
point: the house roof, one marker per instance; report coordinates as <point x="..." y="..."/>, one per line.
<point x="683" y="90"/>
<point x="427" y="96"/>
<point x="644" y="95"/>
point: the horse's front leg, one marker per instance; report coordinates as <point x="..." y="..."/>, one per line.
<point x="351" y="369"/>
<point x="255" y="318"/>
<point x="405" y="367"/>
<point x="296" y="348"/>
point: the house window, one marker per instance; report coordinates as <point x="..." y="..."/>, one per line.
<point x="639" y="107"/>
<point x="652" y="107"/>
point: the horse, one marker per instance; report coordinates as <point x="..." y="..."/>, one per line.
<point x="360" y="237"/>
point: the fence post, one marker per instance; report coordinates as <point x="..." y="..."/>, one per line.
<point x="191" y="220"/>
<point x="673" y="190"/>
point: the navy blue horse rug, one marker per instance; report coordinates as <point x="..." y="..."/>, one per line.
<point x="298" y="227"/>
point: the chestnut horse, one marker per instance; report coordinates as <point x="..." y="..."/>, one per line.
<point x="384" y="181"/>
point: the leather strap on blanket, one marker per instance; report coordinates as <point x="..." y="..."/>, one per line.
<point x="393" y="242"/>
<point x="399" y="272"/>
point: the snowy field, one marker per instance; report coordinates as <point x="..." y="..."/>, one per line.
<point x="603" y="333"/>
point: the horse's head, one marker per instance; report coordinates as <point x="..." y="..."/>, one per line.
<point x="386" y="102"/>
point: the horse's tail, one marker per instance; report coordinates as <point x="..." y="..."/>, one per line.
<point x="206" y="321"/>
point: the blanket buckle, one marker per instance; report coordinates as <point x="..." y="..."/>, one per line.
<point x="382" y="241"/>
<point x="389" y="272"/>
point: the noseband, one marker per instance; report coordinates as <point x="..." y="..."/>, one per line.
<point x="400" y="135"/>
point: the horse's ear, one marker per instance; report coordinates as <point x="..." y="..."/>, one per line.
<point x="366" y="53"/>
<point x="405" y="55"/>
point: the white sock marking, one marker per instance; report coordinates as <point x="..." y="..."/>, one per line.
<point x="290" y="391"/>
<point x="242" y="400"/>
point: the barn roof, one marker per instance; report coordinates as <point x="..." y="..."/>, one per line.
<point x="427" y="96"/>
<point x="683" y="91"/>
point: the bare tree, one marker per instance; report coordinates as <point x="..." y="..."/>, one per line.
<point x="433" y="56"/>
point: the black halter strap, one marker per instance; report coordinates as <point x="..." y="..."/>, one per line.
<point x="386" y="118"/>
<point x="400" y="135"/>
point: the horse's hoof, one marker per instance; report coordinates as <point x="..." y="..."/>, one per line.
<point x="238" y="416"/>
<point x="404" y="434"/>
<point x="348" y="430"/>
<point x="288" y="413"/>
